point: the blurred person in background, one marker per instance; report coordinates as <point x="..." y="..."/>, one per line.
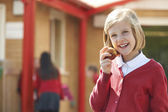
<point x="48" y="85"/>
<point x="36" y="66"/>
<point x="92" y="73"/>
<point x="68" y="95"/>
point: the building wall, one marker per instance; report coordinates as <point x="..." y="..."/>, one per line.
<point x="13" y="58"/>
<point x="94" y="42"/>
<point x="42" y="29"/>
<point x="13" y="46"/>
<point x="72" y="66"/>
<point x="152" y="13"/>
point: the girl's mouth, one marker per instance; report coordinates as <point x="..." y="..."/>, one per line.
<point x="123" y="45"/>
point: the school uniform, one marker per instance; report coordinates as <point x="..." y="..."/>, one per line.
<point x="139" y="85"/>
<point x="49" y="94"/>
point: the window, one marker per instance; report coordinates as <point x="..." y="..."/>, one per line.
<point x="58" y="40"/>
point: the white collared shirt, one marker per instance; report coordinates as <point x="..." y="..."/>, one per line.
<point x="133" y="64"/>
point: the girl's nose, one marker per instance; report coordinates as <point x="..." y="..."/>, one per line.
<point x="120" y="38"/>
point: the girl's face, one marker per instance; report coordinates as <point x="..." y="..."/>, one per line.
<point x="123" y="40"/>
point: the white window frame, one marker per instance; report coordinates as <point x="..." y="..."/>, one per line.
<point x="61" y="17"/>
<point x="2" y="31"/>
<point x="2" y="50"/>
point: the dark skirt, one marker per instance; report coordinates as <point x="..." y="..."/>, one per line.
<point x="48" y="101"/>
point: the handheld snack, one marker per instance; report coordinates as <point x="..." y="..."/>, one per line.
<point x="113" y="53"/>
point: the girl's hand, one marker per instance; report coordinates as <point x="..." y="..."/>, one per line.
<point x="105" y="63"/>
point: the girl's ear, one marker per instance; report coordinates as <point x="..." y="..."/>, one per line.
<point x="106" y="40"/>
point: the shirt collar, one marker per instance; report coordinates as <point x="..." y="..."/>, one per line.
<point x="132" y="63"/>
<point x="137" y="60"/>
<point x="119" y="61"/>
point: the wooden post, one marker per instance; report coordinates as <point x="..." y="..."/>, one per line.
<point x="28" y="56"/>
<point x="82" y="60"/>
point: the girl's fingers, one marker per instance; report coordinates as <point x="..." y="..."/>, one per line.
<point x="102" y="56"/>
<point x="108" y="61"/>
<point x="106" y="65"/>
<point x="104" y="49"/>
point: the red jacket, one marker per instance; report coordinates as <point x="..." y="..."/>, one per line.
<point x="52" y="85"/>
<point x="95" y="77"/>
<point x="142" y="90"/>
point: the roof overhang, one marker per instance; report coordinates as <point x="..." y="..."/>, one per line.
<point x="83" y="8"/>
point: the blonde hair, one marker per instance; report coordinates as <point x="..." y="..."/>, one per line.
<point x="130" y="16"/>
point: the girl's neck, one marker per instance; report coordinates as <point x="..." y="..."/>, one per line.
<point x="131" y="56"/>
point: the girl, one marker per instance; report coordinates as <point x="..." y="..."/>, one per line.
<point x="130" y="82"/>
<point x="48" y="85"/>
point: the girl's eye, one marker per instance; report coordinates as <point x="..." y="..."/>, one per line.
<point x="113" y="35"/>
<point x="125" y="32"/>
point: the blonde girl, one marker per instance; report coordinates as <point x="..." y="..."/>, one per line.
<point x="130" y="82"/>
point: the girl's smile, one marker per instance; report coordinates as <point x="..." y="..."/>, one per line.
<point x="123" y="40"/>
<point x="123" y="45"/>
